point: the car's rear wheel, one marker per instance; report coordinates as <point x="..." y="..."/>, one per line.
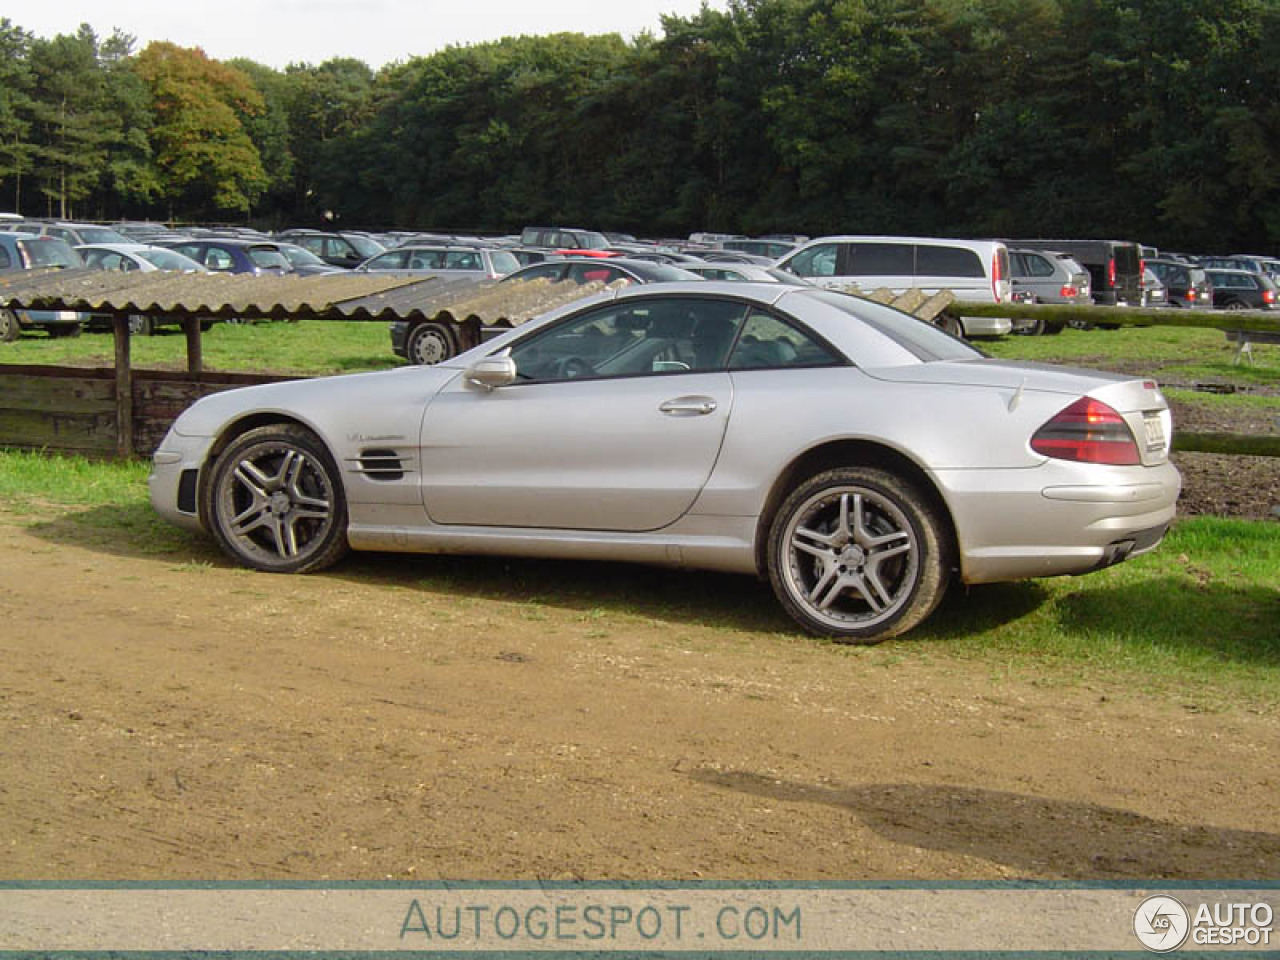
<point x="141" y="325"/>
<point x="275" y="501"/>
<point x="858" y="554"/>
<point x="430" y="343"/>
<point x="9" y="326"/>
<point x="951" y="324"/>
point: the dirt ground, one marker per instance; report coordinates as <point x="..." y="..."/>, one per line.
<point x="163" y="719"/>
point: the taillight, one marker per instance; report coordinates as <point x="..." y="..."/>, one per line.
<point x="1268" y="296"/>
<point x="1068" y="292"/>
<point x="996" y="275"/>
<point x="1111" y="273"/>
<point x="1088" y="431"/>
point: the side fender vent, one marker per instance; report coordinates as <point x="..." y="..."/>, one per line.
<point x="381" y="464"/>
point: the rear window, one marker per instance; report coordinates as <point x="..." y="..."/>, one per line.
<point x="948" y="262"/>
<point x="921" y="339"/>
<point x="1126" y="257"/>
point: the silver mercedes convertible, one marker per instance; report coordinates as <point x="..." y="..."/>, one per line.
<point x="858" y="458"/>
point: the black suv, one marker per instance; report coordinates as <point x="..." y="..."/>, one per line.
<point x="339" y="248"/>
<point x="1187" y="283"/>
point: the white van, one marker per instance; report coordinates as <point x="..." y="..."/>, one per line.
<point x="975" y="270"/>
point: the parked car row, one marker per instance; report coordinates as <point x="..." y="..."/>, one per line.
<point x="1064" y="271"/>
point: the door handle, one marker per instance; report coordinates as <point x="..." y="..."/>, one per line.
<point x="688" y="407"/>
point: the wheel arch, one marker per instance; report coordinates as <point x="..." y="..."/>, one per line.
<point x="237" y="428"/>
<point x="845" y="453"/>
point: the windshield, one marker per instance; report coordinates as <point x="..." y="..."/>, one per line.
<point x="169" y="260"/>
<point x="48" y="252"/>
<point x="366" y="247"/>
<point x="656" y="272"/>
<point x="922" y="339"/>
<point x="268" y="257"/>
<point x="299" y="256"/>
<point x="101" y="235"/>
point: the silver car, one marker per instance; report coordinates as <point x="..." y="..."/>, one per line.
<point x="480" y="263"/>
<point x="856" y="457"/>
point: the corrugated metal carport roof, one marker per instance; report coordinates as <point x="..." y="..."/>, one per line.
<point x="339" y="296"/>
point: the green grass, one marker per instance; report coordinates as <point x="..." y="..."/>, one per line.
<point x="307" y="347"/>
<point x="1197" y="620"/>
<point x="1171" y="354"/>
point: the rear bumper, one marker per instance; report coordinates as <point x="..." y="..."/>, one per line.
<point x="1056" y="519"/>
<point x="400" y="338"/>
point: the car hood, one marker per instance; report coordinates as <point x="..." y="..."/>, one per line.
<point x="316" y="400"/>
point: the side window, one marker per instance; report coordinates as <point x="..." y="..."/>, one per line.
<point x="951" y="262"/>
<point x="191" y="250"/>
<point x="462" y="260"/>
<point x="882" y="260"/>
<point x="6" y="261"/>
<point x="637" y="337"/>
<point x="1038" y="266"/>
<point x="217" y="259"/>
<point x="312" y="243"/>
<point x="768" y="342"/>
<point x="819" y="261"/>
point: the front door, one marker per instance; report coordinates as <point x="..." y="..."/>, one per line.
<point x="614" y="422"/>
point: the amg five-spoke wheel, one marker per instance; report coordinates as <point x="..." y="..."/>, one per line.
<point x="858" y="554"/>
<point x="275" y="501"/>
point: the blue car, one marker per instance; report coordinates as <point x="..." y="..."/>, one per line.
<point x="227" y="255"/>
<point x="25" y="251"/>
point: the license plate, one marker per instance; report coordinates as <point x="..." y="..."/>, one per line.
<point x="68" y="315"/>
<point x="1155" y="431"/>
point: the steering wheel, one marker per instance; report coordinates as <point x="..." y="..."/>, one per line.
<point x="571" y="368"/>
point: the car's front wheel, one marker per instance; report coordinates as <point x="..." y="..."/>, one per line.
<point x="858" y="554"/>
<point x="275" y="501"/>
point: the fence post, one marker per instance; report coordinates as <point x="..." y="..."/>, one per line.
<point x="124" y="386"/>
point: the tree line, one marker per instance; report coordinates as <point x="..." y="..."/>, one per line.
<point x="1156" y="120"/>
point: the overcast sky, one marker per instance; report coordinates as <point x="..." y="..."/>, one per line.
<point x="280" y="32"/>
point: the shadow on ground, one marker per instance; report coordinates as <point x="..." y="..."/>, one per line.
<point x="1230" y="623"/>
<point x="678" y="596"/>
<point x="1034" y="836"/>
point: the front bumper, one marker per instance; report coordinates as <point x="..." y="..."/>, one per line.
<point x="173" y="484"/>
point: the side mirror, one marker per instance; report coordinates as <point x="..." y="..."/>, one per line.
<point x="492" y="372"/>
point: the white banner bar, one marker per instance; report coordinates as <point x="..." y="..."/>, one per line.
<point x="631" y="919"/>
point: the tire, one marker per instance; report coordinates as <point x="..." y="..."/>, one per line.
<point x="430" y="343"/>
<point x="1053" y="327"/>
<point x="951" y="324"/>
<point x="10" y="329"/>
<point x="275" y="501"/>
<point x="1237" y="305"/>
<point x="858" y="554"/>
<point x="64" y="330"/>
<point x="141" y="326"/>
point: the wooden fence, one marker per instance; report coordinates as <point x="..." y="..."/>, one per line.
<point x="75" y="410"/>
